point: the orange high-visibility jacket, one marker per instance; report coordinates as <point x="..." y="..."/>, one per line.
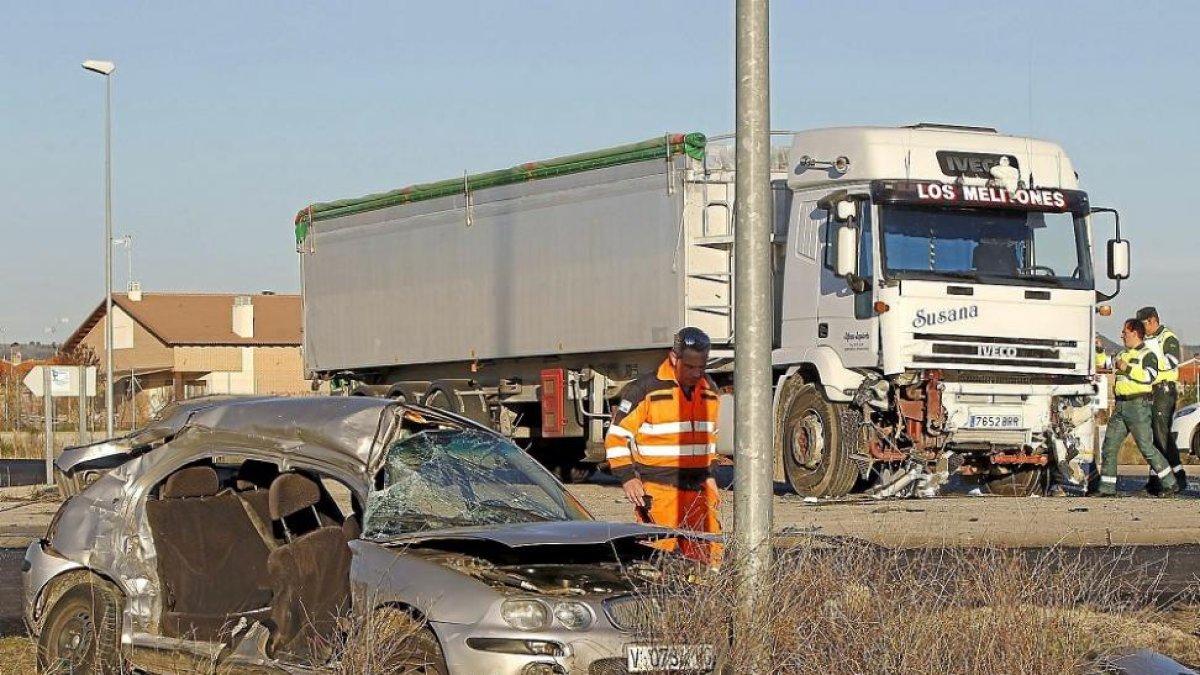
<point x="662" y="435"/>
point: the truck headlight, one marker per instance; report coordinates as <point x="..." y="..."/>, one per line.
<point x="525" y="614"/>
<point x="573" y="615"/>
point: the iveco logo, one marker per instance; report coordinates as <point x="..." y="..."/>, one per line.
<point x="997" y="351"/>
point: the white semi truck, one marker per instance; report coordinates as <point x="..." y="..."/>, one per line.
<point x="934" y="299"/>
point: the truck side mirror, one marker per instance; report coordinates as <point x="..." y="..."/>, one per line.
<point x="1118" y="254"/>
<point x="847" y="250"/>
<point x="1118" y="259"/>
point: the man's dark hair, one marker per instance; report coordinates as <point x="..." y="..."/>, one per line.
<point x="1147" y="313"/>
<point x="692" y="339"/>
<point x="1135" y="326"/>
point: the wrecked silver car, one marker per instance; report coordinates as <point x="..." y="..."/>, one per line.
<point x="257" y="534"/>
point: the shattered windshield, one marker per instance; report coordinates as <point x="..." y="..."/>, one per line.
<point x="449" y="478"/>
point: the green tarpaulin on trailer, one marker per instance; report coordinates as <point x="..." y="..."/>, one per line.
<point x="662" y="147"/>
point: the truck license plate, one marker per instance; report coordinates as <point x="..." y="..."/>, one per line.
<point x="994" y="422"/>
<point x="660" y="658"/>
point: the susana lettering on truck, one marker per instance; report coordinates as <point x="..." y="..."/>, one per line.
<point x="925" y="318"/>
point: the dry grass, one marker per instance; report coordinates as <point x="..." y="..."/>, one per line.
<point x="852" y="608"/>
<point x="859" y="609"/>
<point x="17" y="655"/>
<point x="382" y="643"/>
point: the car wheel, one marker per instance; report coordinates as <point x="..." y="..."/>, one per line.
<point x="396" y="642"/>
<point x="81" y="632"/>
<point x="814" y="460"/>
<point x="1196" y="442"/>
<point x="1020" y="483"/>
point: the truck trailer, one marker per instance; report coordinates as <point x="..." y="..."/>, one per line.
<point x="933" y="299"/>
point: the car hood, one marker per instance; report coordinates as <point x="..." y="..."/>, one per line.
<point x="566" y="533"/>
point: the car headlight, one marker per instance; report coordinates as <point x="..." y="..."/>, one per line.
<point x="1186" y="410"/>
<point x="525" y="614"/>
<point x="573" y="615"/>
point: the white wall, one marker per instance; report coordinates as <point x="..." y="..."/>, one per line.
<point x="122" y="329"/>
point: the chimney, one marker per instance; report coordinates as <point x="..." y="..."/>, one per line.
<point x="243" y="316"/>
<point x="135" y="291"/>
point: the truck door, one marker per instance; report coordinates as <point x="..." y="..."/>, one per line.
<point x="845" y="319"/>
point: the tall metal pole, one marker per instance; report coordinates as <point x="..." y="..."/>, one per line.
<point x="753" y="425"/>
<point x="108" y="317"/>
<point x="48" y="414"/>
<point x="84" y="437"/>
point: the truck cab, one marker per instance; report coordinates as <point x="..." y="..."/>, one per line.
<point x="938" y="309"/>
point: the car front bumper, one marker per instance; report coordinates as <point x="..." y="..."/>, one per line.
<point x="600" y="649"/>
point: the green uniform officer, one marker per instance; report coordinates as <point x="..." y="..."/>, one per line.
<point x="1166" y="348"/>
<point x="1101" y="359"/>
<point x="1136" y="370"/>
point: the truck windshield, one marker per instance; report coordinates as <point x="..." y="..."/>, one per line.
<point x="462" y="478"/>
<point x="986" y="246"/>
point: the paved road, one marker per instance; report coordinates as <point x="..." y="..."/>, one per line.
<point x="10" y="592"/>
<point x="22" y="472"/>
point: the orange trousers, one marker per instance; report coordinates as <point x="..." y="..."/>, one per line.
<point x="695" y="510"/>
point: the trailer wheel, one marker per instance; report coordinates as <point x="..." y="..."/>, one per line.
<point x="814" y="460"/>
<point x="1020" y="483"/>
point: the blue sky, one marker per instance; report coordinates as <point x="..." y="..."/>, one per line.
<point x="230" y="116"/>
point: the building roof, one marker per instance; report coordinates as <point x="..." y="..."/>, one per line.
<point x="204" y="319"/>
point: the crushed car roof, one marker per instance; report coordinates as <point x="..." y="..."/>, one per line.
<point x="350" y="427"/>
<point x="163" y="426"/>
<point x="346" y="425"/>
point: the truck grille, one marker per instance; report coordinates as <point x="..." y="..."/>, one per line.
<point x="993" y="377"/>
<point x="981" y="350"/>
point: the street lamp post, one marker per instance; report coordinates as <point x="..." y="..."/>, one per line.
<point x="106" y="69"/>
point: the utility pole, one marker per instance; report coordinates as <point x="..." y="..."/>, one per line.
<point x="753" y="427"/>
<point x="106" y="69"/>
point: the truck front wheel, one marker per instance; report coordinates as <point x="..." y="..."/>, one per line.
<point x="814" y="460"/>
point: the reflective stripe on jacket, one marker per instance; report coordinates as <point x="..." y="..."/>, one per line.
<point x="1165" y="346"/>
<point x="661" y="434"/>
<point x="1139" y="374"/>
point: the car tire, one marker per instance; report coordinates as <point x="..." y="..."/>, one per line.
<point x="415" y="647"/>
<point x="81" y="632"/>
<point x="1020" y="483"/>
<point x="814" y="461"/>
<point x="1195" y="445"/>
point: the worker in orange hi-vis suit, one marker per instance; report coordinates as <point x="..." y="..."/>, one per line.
<point x="662" y="444"/>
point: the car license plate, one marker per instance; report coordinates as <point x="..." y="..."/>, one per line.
<point x="660" y="658"/>
<point x="994" y="422"/>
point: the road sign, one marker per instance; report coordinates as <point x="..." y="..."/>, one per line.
<point x="64" y="380"/>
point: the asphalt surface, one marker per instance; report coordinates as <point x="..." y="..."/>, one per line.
<point x="11" y="592"/>
<point x="22" y="472"/>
